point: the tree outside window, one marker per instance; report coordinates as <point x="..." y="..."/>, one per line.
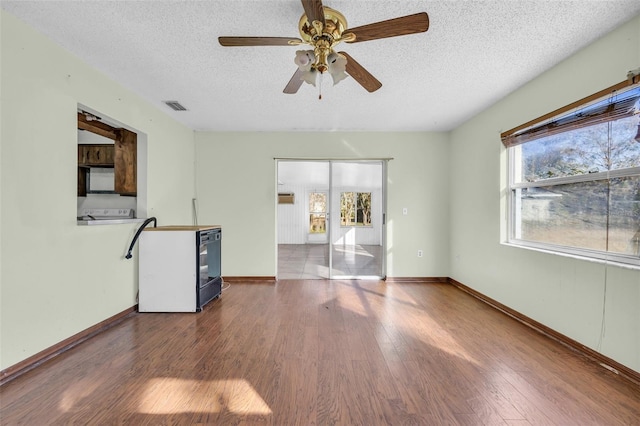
<point x="355" y="209"/>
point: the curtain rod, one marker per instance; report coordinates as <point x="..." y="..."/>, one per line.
<point x="332" y="158"/>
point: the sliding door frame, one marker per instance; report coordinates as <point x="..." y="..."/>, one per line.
<point x="330" y="216"/>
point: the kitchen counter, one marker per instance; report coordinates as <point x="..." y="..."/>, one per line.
<point x="91" y="222"/>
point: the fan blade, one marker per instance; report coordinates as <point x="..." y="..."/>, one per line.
<point x="314" y="11"/>
<point x="361" y="75"/>
<point x="410" y="24"/>
<point x="259" y="41"/>
<point x="294" y="84"/>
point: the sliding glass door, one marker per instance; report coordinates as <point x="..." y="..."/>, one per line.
<point x="331" y="219"/>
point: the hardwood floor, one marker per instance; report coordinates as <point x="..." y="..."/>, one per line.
<point x="315" y="352"/>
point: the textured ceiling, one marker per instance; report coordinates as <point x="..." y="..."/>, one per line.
<point x="474" y="53"/>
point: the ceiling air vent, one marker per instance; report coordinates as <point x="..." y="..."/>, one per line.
<point x="175" y="105"/>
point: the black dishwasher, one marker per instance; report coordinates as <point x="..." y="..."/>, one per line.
<point x="209" y="244"/>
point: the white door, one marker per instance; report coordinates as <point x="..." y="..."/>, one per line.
<point x="318" y="211"/>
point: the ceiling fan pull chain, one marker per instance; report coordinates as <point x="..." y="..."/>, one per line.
<point x="320" y="86"/>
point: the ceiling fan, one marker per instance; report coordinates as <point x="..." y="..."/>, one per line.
<point x="323" y="28"/>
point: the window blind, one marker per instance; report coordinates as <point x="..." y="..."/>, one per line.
<point x="614" y="103"/>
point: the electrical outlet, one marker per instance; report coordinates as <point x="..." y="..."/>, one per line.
<point x="419" y="253"/>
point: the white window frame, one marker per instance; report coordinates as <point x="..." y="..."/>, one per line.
<point x="513" y="211"/>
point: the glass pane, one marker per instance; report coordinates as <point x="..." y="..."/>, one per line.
<point x="624" y="218"/>
<point x="317" y="223"/>
<point x="364" y="209"/>
<point x="347" y="209"/>
<point x="599" y="148"/>
<point x="573" y="215"/>
<point x="625" y="150"/>
<point x="317" y="202"/>
<point x="357" y="251"/>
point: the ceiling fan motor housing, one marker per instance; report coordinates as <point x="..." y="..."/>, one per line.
<point x="323" y="37"/>
<point x="335" y="25"/>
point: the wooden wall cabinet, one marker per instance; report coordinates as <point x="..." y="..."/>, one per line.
<point x="96" y="155"/>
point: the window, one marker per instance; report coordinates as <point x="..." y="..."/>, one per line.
<point x="574" y="181"/>
<point x="355" y="209"/>
<point x="317" y="212"/>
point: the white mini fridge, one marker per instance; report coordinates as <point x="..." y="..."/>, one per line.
<point x="179" y="268"/>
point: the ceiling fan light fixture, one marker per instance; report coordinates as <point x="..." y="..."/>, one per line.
<point x="307" y="63"/>
<point x="304" y="59"/>
<point x="310" y="76"/>
<point x="337" y="66"/>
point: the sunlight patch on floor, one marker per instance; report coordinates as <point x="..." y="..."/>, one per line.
<point x="75" y="392"/>
<point x="355" y="305"/>
<point x="415" y="323"/>
<point x="351" y="251"/>
<point x="172" y="395"/>
<point x="438" y="337"/>
<point x="410" y="323"/>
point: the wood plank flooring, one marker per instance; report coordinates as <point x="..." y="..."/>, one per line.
<point x="316" y="352"/>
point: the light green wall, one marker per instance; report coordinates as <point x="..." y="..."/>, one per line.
<point x="58" y="278"/>
<point x="563" y="293"/>
<point x="236" y="185"/>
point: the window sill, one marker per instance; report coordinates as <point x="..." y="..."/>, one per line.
<point x="574" y="256"/>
